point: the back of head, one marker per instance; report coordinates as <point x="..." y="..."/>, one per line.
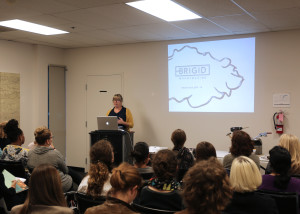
<point x="205" y="150"/>
<point x="140" y="152"/>
<point x="42" y="134"/>
<point x="244" y="175"/>
<point x="45" y="187"/>
<point x="241" y="144"/>
<point x="292" y="144"/>
<point x="178" y="138"/>
<point x="124" y="177"/>
<point x="102" y="151"/>
<point x="280" y="160"/>
<point x="101" y="156"/>
<point x="206" y="187"/>
<point x="12" y="130"/>
<point x="165" y="165"/>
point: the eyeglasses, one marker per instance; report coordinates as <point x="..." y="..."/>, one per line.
<point x="116" y="100"/>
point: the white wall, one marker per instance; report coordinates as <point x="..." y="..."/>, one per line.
<point x="144" y="66"/>
<point x="31" y="62"/>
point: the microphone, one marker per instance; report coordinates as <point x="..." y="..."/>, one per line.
<point x="232" y="129"/>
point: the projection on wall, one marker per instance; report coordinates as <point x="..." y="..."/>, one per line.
<point x="213" y="76"/>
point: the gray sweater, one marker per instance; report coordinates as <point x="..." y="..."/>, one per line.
<point x="227" y="160"/>
<point x="46" y="155"/>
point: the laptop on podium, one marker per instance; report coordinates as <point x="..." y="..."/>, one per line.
<point x="107" y="122"/>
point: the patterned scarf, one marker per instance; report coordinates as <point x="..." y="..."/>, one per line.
<point x="169" y="185"/>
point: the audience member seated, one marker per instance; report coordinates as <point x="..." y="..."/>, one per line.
<point x="241" y="144"/>
<point x="279" y="179"/>
<point x="183" y="154"/>
<point x="3" y="137"/>
<point x="163" y="189"/>
<point x="125" y="181"/>
<point x="33" y="144"/>
<point x="245" y="178"/>
<point x="206" y="188"/>
<point x="44" y="153"/>
<point x="14" y="151"/>
<point x="292" y="144"/>
<point x="204" y="151"/>
<point x="45" y="193"/>
<point x="11" y="198"/>
<point x="140" y="154"/>
<point x="97" y="182"/>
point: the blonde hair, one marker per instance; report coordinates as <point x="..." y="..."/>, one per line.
<point x="118" y="97"/>
<point x="244" y="175"/>
<point x="42" y="134"/>
<point x="292" y="144"/>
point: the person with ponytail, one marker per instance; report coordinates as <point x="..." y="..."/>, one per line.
<point x="14" y="151"/>
<point x="163" y="191"/>
<point x="125" y="181"/>
<point x="45" y="193"/>
<point x="140" y="154"/>
<point x="97" y="182"/>
<point x="279" y="179"/>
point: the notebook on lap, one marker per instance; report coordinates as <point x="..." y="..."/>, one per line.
<point x="107" y="122"/>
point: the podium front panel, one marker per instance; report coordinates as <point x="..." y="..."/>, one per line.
<point x="120" y="140"/>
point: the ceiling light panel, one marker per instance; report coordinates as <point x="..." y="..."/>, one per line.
<point x="164" y="9"/>
<point x="31" y="27"/>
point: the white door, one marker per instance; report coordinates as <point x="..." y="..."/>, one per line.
<point x="100" y="91"/>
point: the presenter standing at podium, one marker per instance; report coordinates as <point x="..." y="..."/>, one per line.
<point x="125" y="119"/>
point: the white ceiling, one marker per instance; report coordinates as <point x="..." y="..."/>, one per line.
<point x="110" y="22"/>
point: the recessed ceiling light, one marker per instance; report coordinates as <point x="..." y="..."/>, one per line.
<point x="31" y="27"/>
<point x="164" y="9"/>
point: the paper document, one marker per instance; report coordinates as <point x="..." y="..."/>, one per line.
<point x="8" y="177"/>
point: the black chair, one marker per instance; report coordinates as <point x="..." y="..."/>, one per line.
<point x="85" y="201"/>
<point x="3" y="208"/>
<point x="71" y="201"/>
<point x="287" y="202"/>
<point x="296" y="176"/>
<point x="14" y="167"/>
<point x="147" y="210"/>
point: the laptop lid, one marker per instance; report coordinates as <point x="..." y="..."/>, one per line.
<point x="107" y="122"/>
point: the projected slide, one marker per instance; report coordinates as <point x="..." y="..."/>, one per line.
<point x="214" y="76"/>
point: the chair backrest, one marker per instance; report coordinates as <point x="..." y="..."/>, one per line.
<point x="85" y="201"/>
<point x="3" y="208"/>
<point x="14" y="167"/>
<point x="147" y="210"/>
<point x="287" y="202"/>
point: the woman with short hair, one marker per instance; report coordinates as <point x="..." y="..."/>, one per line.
<point x="125" y="119"/>
<point x="163" y="190"/>
<point x="45" y="193"/>
<point x="184" y="156"/>
<point x="125" y="181"/>
<point x="204" y="151"/>
<point x="245" y="178"/>
<point x="241" y="144"/>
